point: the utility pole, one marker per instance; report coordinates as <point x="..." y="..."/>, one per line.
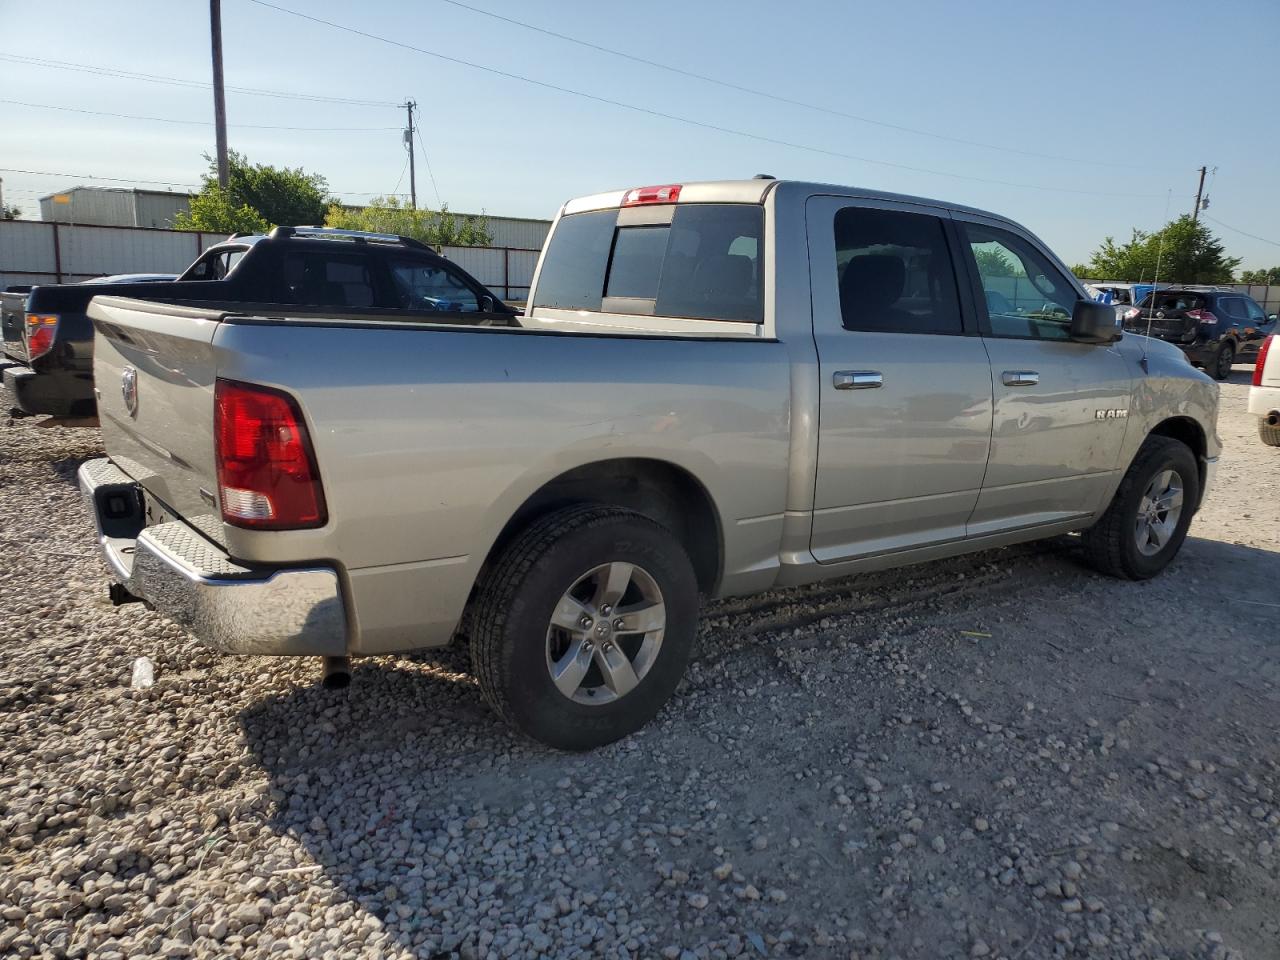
<point x="1195" y="214"/>
<point x="408" y="140"/>
<point x="219" y="100"/>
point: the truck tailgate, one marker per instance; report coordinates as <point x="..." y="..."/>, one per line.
<point x="154" y="370"/>
<point x="12" y="313"/>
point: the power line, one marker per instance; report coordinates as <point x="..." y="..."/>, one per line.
<point x="197" y="123"/>
<point x="90" y="176"/>
<point x="400" y="179"/>
<point x="427" y="161"/>
<point x="830" y="111"/>
<point x="688" y="120"/>
<point x="166" y="183"/>
<point x="1251" y="236"/>
<point x="182" y="82"/>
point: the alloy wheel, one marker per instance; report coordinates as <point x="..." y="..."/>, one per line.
<point x="605" y="633"/>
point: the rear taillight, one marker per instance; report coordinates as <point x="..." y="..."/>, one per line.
<point x="1201" y="316"/>
<point x="41" y="329"/>
<point x="1262" y="359"/>
<point x="668" y="194"/>
<point x="1133" y="313"/>
<point x="267" y="477"/>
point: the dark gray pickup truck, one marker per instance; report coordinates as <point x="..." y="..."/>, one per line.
<point x="48" y="337"/>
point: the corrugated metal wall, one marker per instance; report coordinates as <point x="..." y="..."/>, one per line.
<point x="28" y="255"/>
<point x="32" y="253"/>
<point x="123" y="207"/>
<point x="519" y="234"/>
<point x="101" y="207"/>
<point x="158" y="209"/>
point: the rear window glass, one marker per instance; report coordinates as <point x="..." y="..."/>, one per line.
<point x="1175" y="301"/>
<point x="705" y="264"/>
<point x="637" y="262"/>
<point x="572" y="273"/>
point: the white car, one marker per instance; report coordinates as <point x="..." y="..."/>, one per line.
<point x="1264" y="395"/>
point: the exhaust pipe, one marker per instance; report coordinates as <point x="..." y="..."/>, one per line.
<point x="119" y="596"/>
<point x="1273" y="419"/>
<point x="335" y="673"/>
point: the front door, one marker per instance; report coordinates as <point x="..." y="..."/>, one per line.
<point x="905" y="389"/>
<point x="1061" y="407"/>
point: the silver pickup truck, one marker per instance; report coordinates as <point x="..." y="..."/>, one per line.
<point x="717" y="389"/>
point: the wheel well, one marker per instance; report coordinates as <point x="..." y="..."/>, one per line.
<point x="659" y="490"/>
<point x="1192" y="435"/>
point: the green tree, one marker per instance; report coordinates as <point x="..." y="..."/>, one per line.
<point x="1190" y="253"/>
<point x="287" y="195"/>
<point x="212" y="209"/>
<point x="993" y="263"/>
<point x="1271" y="275"/>
<point x="389" y="215"/>
<point x="1081" y="271"/>
<point x="9" y="212"/>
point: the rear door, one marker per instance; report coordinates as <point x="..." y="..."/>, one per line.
<point x="1061" y="407"/>
<point x="905" y="391"/>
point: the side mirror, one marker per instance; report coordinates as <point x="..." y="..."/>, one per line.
<point x="486" y="304"/>
<point x="1093" y="322"/>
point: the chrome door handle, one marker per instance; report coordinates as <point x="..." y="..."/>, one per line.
<point x="857" y="379"/>
<point x="1020" y="378"/>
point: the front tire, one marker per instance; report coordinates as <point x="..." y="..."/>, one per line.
<point x="583" y="627"/>
<point x="1147" y="521"/>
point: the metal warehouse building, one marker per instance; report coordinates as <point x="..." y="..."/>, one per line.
<point x="113" y="207"/>
<point x="123" y="207"/>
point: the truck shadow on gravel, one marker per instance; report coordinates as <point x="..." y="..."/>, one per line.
<point x="814" y="786"/>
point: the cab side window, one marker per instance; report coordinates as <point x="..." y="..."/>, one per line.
<point x="1025" y="296"/>
<point x="1257" y="316"/>
<point x="214" y="265"/>
<point x="318" y="279"/>
<point x="421" y="285"/>
<point x="895" y="273"/>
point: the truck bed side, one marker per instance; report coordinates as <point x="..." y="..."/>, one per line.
<point x="429" y="439"/>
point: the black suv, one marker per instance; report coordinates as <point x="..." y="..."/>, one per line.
<point x="49" y="339"/>
<point x="1214" y="328"/>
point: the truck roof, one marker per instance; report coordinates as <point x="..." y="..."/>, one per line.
<point x="757" y="189"/>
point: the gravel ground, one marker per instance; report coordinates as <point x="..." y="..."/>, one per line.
<point x="998" y="756"/>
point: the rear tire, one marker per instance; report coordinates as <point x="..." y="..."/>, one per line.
<point x="1116" y="544"/>
<point x="519" y="641"/>
<point x="1270" y="434"/>
<point x="1220" y="368"/>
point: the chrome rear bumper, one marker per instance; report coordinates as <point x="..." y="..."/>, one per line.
<point x="228" y="607"/>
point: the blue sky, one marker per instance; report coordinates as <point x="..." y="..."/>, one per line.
<point x="1147" y="91"/>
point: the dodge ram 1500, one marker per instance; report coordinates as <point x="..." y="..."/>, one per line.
<point x="717" y="389"/>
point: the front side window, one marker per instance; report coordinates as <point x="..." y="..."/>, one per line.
<point x="704" y="264"/>
<point x="895" y="273"/>
<point x="431" y="286"/>
<point x="1257" y="316"/>
<point x="319" y="279"/>
<point x="1025" y="295"/>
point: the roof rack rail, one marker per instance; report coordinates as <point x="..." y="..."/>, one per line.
<point x="355" y="236"/>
